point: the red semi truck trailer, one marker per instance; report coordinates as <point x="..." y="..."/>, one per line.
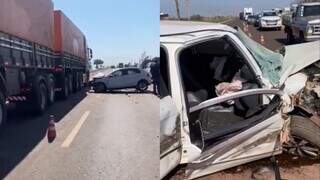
<point x="42" y="55"/>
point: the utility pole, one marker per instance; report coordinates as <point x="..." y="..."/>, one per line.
<point x="187" y="9"/>
<point x="178" y="9"/>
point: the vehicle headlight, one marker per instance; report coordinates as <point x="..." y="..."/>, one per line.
<point x="310" y="30"/>
<point x="279" y="21"/>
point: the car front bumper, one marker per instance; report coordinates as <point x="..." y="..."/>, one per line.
<point x="312" y="37"/>
<point x="270" y="25"/>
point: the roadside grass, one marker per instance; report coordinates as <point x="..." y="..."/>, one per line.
<point x="214" y="19"/>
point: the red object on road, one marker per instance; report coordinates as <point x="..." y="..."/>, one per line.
<point x="51" y="133"/>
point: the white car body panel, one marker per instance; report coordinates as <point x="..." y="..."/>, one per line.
<point x="251" y="148"/>
<point x="301" y="55"/>
<point x="123" y="81"/>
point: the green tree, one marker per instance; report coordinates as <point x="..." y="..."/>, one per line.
<point x="97" y="63"/>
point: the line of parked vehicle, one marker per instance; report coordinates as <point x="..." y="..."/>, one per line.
<point x="301" y="21"/>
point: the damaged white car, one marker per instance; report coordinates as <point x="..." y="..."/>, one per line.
<point x="226" y="100"/>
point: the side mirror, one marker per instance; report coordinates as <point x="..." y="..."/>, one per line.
<point x="90" y="53"/>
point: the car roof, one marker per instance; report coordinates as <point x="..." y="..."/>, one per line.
<point x="310" y="3"/>
<point x="182" y="31"/>
<point x="268" y="11"/>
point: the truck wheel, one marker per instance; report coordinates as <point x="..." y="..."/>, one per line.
<point x="76" y="83"/>
<point x="290" y="38"/>
<point x="80" y="82"/>
<point x="301" y="37"/>
<point x="142" y="85"/>
<point x="71" y="88"/>
<point x="51" y="93"/>
<point x="305" y="140"/>
<point x="40" y="98"/>
<point x="3" y="110"/>
<point x="65" y="89"/>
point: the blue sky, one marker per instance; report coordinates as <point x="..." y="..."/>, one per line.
<point x="116" y="30"/>
<point x="221" y="7"/>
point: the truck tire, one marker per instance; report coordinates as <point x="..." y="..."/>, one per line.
<point x="290" y="38"/>
<point x="301" y="37"/>
<point x="71" y="86"/>
<point x="142" y="86"/>
<point x="65" y="88"/>
<point x="51" y="92"/>
<point x="40" y="98"/>
<point x="3" y="110"/>
<point x="80" y="82"/>
<point x="305" y="139"/>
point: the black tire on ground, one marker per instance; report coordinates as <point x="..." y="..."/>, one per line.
<point x="71" y="84"/>
<point x="51" y="92"/>
<point x="3" y="110"/>
<point x="99" y="87"/>
<point x="301" y="37"/>
<point x="65" y="88"/>
<point x="142" y="85"/>
<point x="306" y="129"/>
<point x="40" y="98"/>
<point x="78" y="82"/>
<point x="290" y="38"/>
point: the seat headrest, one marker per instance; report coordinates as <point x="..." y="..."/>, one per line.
<point x="247" y="74"/>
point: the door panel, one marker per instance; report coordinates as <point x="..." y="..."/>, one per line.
<point x="170" y="146"/>
<point x="255" y="141"/>
<point x="117" y="80"/>
<point x="133" y="78"/>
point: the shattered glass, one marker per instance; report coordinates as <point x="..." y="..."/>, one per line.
<point x="269" y="62"/>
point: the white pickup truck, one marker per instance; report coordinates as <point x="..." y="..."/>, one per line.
<point x="270" y="20"/>
<point x="304" y="23"/>
<point x="247" y="12"/>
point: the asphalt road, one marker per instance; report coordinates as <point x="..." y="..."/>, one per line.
<point x="99" y="136"/>
<point x="273" y="39"/>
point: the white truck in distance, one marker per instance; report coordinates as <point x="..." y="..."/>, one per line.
<point x="247" y="12"/>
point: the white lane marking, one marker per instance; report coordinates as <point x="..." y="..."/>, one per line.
<point x="66" y="143"/>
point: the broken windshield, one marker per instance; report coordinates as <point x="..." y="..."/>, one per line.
<point x="269" y="62"/>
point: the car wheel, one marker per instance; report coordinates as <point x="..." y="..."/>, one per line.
<point x="99" y="88"/>
<point x="51" y="93"/>
<point x="142" y="85"/>
<point x="3" y="110"/>
<point x="305" y="138"/>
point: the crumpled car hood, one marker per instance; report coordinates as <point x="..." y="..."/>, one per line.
<point x="300" y="56"/>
